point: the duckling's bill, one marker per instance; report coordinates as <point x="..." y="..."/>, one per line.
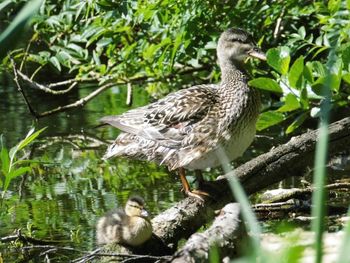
<point x="144" y="213"/>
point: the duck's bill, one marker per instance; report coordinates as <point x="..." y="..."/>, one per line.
<point x="257" y="53"/>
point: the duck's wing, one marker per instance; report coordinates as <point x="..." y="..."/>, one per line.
<point x="170" y="118"/>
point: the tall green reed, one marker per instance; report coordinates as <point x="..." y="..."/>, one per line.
<point x="240" y="196"/>
<point x="319" y="178"/>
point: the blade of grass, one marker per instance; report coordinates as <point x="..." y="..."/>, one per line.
<point x="241" y="197"/>
<point x="343" y="256"/>
<point x="319" y="179"/>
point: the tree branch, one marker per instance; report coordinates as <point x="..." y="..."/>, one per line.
<point x="81" y="102"/>
<point x="47" y="89"/>
<point x="224" y="235"/>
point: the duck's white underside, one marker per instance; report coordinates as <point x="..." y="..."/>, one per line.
<point x="233" y="149"/>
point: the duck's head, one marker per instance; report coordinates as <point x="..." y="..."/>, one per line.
<point x="235" y="45"/>
<point x="135" y="207"/>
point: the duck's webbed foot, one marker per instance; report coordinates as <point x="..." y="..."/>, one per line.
<point x="199" y="194"/>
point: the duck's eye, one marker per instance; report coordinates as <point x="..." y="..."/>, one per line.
<point x="238" y="40"/>
<point x="247" y="47"/>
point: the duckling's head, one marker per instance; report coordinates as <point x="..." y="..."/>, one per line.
<point x="135" y="207"/>
<point x="235" y="45"/>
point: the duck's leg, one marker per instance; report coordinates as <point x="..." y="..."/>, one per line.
<point x="186" y="186"/>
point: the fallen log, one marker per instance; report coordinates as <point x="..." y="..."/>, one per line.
<point x="290" y="159"/>
<point x="223" y="235"/>
<point x="284" y="161"/>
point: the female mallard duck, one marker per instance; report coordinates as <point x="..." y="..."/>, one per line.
<point x="130" y="226"/>
<point x="187" y="128"/>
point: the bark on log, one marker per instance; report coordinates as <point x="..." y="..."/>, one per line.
<point x="224" y="234"/>
<point x="281" y="162"/>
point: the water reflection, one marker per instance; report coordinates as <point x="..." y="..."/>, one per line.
<point x="62" y="199"/>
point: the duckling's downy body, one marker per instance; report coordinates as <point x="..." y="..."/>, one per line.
<point x="130" y="226"/>
<point x="186" y="128"/>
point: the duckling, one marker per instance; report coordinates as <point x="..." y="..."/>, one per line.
<point x="187" y="128"/>
<point x="130" y="226"/>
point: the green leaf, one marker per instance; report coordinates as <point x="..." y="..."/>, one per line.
<point x="5" y="3"/>
<point x="5" y="160"/>
<point x="13" y="174"/>
<point x="302" y="32"/>
<point x="13" y="33"/>
<point x="177" y="43"/>
<point x="29" y="138"/>
<point x="307" y="73"/>
<point x="296" y="123"/>
<point x="76" y="48"/>
<point x="55" y="62"/>
<point x="304" y="98"/>
<point x="318" y="67"/>
<point x="290" y="103"/>
<point x="104" y="42"/>
<point x="346" y="78"/>
<point x="295" y="72"/>
<point x="346" y="56"/>
<point x="333" y="5"/>
<point x="279" y="59"/>
<point x="266" y="84"/>
<point x="268" y="119"/>
<point x="332" y="82"/>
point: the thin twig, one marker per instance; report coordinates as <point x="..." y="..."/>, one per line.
<point x="126" y="257"/>
<point x="79" y="103"/>
<point x="31" y="110"/>
<point x="25" y="239"/>
<point x="50" y="247"/>
<point x="129" y="94"/>
<point x="65" y="82"/>
<point x="46" y="89"/>
<point x="87" y="257"/>
<point x="277" y="31"/>
<point x="297" y="193"/>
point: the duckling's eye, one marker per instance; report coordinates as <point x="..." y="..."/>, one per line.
<point x="135" y="206"/>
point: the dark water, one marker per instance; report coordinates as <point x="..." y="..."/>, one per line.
<point x="71" y="187"/>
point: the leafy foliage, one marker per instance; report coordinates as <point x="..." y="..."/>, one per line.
<point x="302" y="80"/>
<point x="120" y="41"/>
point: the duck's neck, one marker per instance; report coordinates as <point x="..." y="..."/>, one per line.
<point x="232" y="72"/>
<point x="237" y="99"/>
